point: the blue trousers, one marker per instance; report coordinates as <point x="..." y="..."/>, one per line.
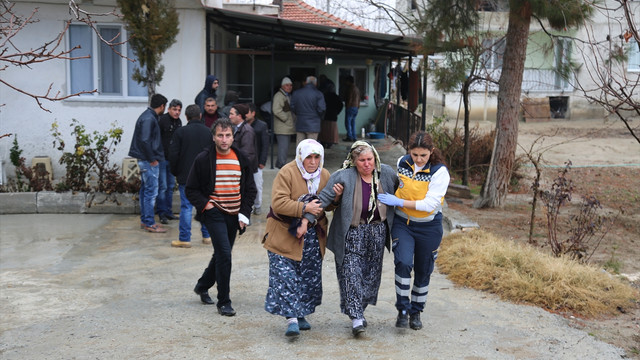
<point x="148" y="191"/>
<point x="350" y="122"/>
<point x="415" y="248"/>
<point x="185" y="218"/>
<point x="222" y="228"/>
<point x="166" y="183"/>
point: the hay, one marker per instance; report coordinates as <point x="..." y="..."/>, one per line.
<point x="523" y="274"/>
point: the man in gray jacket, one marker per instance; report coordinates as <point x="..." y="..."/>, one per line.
<point x="309" y="106"/>
<point x="283" y="120"/>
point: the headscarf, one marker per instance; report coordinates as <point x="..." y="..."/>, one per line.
<point x="305" y="148"/>
<point x="375" y="179"/>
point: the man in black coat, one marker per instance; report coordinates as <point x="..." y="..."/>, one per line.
<point x="187" y="142"/>
<point x="261" y="130"/>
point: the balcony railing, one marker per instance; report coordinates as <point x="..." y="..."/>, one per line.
<point x="401" y="123"/>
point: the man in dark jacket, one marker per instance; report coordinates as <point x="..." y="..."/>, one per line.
<point x="261" y="130"/>
<point x="146" y="146"/>
<point x="308" y="105"/>
<point x="224" y="206"/>
<point x="169" y="123"/>
<point x="211" y="84"/>
<point x="187" y="143"/>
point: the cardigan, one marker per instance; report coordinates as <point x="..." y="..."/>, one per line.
<point x="288" y="186"/>
<point x="344" y="213"/>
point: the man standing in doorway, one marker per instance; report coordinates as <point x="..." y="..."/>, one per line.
<point x="146" y="146"/>
<point x="352" y="104"/>
<point x="220" y="185"/>
<point x="284" y="123"/>
<point x="309" y="106"/>
<point x="187" y="143"/>
<point x="169" y="123"/>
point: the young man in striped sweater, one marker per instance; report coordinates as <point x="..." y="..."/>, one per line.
<point x="221" y="187"/>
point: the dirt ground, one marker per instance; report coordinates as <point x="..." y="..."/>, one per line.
<point x="605" y="163"/>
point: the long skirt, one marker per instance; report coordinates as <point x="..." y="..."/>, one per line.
<point x="360" y="273"/>
<point x="328" y="132"/>
<point x="295" y="287"/>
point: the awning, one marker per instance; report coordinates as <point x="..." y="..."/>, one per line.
<point x="348" y="40"/>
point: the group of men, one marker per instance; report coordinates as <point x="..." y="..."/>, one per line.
<point x="301" y="112"/>
<point x="217" y="160"/>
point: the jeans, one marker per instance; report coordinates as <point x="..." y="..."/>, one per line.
<point x="166" y="183"/>
<point x="148" y="191"/>
<point x="185" y="218"/>
<point x="350" y="122"/>
<point x="257" y="178"/>
<point x="223" y="229"/>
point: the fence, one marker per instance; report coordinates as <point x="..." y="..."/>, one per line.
<point x="401" y="123"/>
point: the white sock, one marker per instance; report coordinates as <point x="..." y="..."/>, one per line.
<point x="356" y="322"/>
<point x="292" y="321"/>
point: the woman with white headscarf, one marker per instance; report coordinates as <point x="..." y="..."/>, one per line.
<point x="294" y="245"/>
<point x="359" y="228"/>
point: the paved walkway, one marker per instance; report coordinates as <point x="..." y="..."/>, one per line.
<point x="97" y="287"/>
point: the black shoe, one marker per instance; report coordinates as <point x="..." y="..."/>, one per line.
<point x="347" y="139"/>
<point x="403" y="320"/>
<point x="414" y="321"/>
<point x="204" y="296"/>
<point x="163" y="219"/>
<point x="358" y="330"/>
<point x="171" y="217"/>
<point x="226" y="310"/>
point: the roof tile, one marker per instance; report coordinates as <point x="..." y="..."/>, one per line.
<point x="298" y="10"/>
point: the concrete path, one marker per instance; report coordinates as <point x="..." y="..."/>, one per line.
<point x="98" y="287"/>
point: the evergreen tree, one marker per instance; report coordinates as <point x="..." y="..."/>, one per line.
<point x="152" y="27"/>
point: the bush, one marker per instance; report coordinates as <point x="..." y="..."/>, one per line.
<point x="37" y="179"/>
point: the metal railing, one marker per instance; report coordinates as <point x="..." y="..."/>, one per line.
<point x="401" y="123"/>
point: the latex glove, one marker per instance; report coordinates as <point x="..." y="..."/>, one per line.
<point x="390" y="200"/>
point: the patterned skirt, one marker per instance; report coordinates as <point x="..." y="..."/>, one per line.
<point x="360" y="273"/>
<point x="295" y="287"/>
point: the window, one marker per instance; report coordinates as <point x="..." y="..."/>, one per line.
<point x="104" y="70"/>
<point x="493" y="52"/>
<point x="634" y="56"/>
<point x="359" y="78"/>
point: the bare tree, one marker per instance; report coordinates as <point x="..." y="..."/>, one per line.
<point x="14" y="55"/>
<point x="604" y="59"/>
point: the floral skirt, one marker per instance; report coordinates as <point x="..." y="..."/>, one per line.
<point x="295" y="287"/>
<point x="360" y="273"/>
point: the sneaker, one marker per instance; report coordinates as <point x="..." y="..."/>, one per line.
<point x="155" y="228"/>
<point x="303" y="324"/>
<point x="403" y="320"/>
<point x="181" y="244"/>
<point x="226" y="310"/>
<point x="292" y="330"/>
<point x="206" y="240"/>
<point x="414" y="321"/>
<point x="358" y="331"/>
<point x="257" y="211"/>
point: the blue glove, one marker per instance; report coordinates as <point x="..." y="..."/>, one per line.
<point x="390" y="200"/>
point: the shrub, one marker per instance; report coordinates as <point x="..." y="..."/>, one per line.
<point x="37" y="179"/>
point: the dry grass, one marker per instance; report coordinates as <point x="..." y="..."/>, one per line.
<point x="523" y="274"/>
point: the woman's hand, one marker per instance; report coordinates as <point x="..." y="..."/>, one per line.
<point x="302" y="228"/>
<point x="314" y="208"/>
<point x="338" y="189"/>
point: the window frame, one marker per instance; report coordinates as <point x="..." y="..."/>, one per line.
<point x="364" y="97"/>
<point x="96" y="65"/>
<point x="492" y="55"/>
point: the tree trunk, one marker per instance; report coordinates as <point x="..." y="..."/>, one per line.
<point x="494" y="190"/>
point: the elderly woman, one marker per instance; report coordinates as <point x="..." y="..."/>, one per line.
<point x="358" y="232"/>
<point x="295" y="246"/>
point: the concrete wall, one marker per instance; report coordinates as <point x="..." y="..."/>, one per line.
<point x="184" y="76"/>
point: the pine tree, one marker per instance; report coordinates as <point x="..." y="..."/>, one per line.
<point x="152" y="26"/>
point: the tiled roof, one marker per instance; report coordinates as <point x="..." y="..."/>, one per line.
<point x="298" y="10"/>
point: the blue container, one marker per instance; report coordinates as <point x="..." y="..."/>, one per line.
<point x="376" y="135"/>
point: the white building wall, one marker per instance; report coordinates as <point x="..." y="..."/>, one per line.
<point x="185" y="70"/>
